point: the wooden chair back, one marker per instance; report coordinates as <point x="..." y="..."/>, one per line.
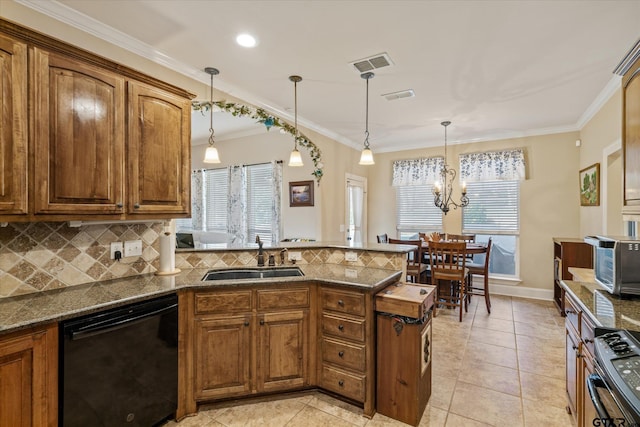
<point x="383" y="238"/>
<point x="461" y="237"/>
<point x="447" y="261"/>
<point x="415" y="268"/>
<point x="481" y="270"/>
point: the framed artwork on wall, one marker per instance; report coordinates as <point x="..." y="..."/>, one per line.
<point x="301" y="193"/>
<point x="590" y="185"/>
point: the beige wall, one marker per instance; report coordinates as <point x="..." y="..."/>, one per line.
<point x="548" y="206"/>
<point x="601" y="132"/>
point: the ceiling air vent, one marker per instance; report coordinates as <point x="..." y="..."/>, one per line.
<point x="372" y="63"/>
<point x="401" y="94"/>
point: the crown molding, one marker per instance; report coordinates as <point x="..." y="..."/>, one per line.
<point x="605" y="94"/>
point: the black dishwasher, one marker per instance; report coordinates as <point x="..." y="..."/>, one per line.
<point x="119" y="367"/>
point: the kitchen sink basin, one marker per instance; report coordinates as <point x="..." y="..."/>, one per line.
<point x="252" y="273"/>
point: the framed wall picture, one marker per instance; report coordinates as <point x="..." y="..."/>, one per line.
<point x="301" y="193"/>
<point x="590" y="185"/>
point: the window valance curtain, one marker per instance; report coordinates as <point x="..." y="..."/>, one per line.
<point x="417" y="171"/>
<point x="507" y="165"/>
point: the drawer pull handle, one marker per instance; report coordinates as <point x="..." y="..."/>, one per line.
<point x="341" y="383"/>
<point x="136" y="206"/>
<point x="341" y="353"/>
<point x="341" y="327"/>
<point x="246" y="323"/>
<point x="341" y="303"/>
<point x="119" y="205"/>
<point x="262" y="321"/>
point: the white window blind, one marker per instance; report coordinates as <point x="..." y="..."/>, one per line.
<point x="259" y="202"/>
<point x="493" y="206"/>
<point x="415" y="210"/>
<point x="216" y="183"/>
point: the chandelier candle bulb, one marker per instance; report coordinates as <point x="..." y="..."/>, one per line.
<point x="464" y="187"/>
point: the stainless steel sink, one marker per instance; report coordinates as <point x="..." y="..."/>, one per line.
<point x="252" y="273"/>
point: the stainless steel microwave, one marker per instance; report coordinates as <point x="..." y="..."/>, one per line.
<point x="617" y="263"/>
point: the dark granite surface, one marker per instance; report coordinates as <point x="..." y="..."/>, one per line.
<point x="605" y="309"/>
<point x="59" y="304"/>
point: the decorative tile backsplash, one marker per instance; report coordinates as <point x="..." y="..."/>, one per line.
<point x="39" y="256"/>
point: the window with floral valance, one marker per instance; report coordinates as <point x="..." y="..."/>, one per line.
<point x="507" y="165"/>
<point x="424" y="171"/>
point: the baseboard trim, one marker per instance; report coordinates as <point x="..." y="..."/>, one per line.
<point x="521" y="291"/>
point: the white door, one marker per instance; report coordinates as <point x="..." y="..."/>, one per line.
<point x="356" y="209"/>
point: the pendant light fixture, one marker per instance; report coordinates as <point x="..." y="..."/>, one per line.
<point x="211" y="154"/>
<point x="295" y="159"/>
<point x="366" y="157"/>
<point x="443" y="190"/>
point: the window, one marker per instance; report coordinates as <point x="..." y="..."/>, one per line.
<point x="494" y="211"/>
<point x="216" y="190"/>
<point x="259" y="202"/>
<point x="416" y="212"/>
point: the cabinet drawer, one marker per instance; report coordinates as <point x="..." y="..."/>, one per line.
<point x="344" y="383"/>
<point x="343" y="301"/>
<point x="344" y="354"/>
<point x="587" y="333"/>
<point x="573" y="313"/>
<point x="283" y="298"/>
<point x="222" y="302"/>
<point x="344" y="327"/>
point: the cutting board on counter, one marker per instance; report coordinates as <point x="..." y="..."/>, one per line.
<point x="406" y="299"/>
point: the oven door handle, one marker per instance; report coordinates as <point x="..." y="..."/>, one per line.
<point x="594" y="381"/>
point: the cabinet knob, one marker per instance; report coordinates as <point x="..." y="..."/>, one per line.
<point x="119" y="205"/>
<point x="341" y="327"/>
<point x="341" y="383"/>
<point x="246" y="323"/>
<point x="341" y="353"/>
<point x="136" y="206"/>
<point x="262" y="321"/>
<point x="341" y="303"/>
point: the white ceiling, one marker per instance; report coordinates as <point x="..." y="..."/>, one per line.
<point x="496" y="69"/>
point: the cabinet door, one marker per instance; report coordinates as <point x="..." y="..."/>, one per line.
<point x="631" y="135"/>
<point x="79" y="137"/>
<point x="28" y="379"/>
<point x="222" y="356"/>
<point x="159" y="151"/>
<point x="13" y="127"/>
<point x="283" y="350"/>
<point x="572" y="348"/>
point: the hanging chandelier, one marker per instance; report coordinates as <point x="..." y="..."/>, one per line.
<point x="443" y="189"/>
<point x="366" y="157"/>
<point x="295" y="159"/>
<point x="211" y="153"/>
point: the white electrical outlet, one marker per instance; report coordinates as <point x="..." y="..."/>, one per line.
<point x="350" y="273"/>
<point x="295" y="256"/>
<point x="351" y="256"/>
<point x="133" y="248"/>
<point x="116" y="246"/>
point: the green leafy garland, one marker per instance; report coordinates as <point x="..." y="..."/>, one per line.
<point x="269" y="121"/>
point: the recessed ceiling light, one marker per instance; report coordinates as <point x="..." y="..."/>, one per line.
<point x="246" y="40"/>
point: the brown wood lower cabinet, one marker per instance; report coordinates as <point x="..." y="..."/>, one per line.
<point x="29" y="378"/>
<point x="579" y="362"/>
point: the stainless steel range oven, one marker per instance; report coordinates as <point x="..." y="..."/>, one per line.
<point x="614" y="388"/>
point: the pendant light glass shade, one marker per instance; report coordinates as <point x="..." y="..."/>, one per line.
<point x="366" y="157"/>
<point x="211" y="154"/>
<point x="295" y="159"/>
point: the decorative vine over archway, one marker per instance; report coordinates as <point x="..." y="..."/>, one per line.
<point x="269" y="121"/>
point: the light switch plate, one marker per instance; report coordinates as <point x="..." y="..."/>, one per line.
<point x="295" y="255"/>
<point x="351" y="256"/>
<point x="116" y="246"/>
<point x="133" y="248"/>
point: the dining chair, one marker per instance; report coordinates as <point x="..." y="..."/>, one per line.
<point x="383" y="238"/>
<point x="461" y="237"/>
<point x="448" y="266"/>
<point x="416" y="270"/>
<point x="480" y="269"/>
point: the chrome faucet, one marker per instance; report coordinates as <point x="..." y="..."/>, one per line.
<point x="260" y="252"/>
<point x="282" y="252"/>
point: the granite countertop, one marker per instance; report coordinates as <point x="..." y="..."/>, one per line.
<point x="59" y="304"/>
<point x="605" y="309"/>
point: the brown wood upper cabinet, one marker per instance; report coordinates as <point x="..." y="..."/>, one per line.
<point x="105" y="141"/>
<point x="630" y="70"/>
<point x="13" y="127"/>
<point x="79" y="137"/>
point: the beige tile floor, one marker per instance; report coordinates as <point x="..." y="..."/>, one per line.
<point x="503" y="369"/>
